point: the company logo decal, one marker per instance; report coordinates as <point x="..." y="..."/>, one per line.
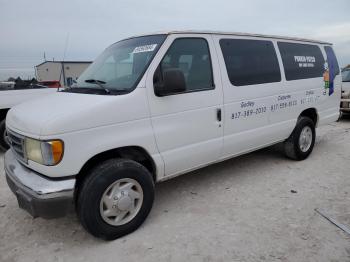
<point x="329" y="72"/>
<point x="328" y="78"/>
<point x="305" y="61"/>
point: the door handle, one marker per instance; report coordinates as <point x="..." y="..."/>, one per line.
<point x="218" y="114"/>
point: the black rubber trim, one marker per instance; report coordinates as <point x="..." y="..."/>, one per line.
<point x="40" y="207"/>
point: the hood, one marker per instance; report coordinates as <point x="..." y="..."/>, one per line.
<point x="67" y="112"/>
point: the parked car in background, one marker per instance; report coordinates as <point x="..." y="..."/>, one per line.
<point x="345" y="96"/>
<point x="10" y="95"/>
<point x="157" y="106"/>
<point x="7" y="85"/>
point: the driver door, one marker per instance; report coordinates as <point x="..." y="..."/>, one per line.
<point x="187" y="125"/>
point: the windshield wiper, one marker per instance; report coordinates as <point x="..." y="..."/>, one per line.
<point x="100" y="83"/>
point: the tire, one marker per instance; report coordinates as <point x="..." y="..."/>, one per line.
<point x="3" y="143"/>
<point x="293" y="148"/>
<point x="95" y="188"/>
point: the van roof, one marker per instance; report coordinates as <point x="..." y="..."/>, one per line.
<point x="236" y="34"/>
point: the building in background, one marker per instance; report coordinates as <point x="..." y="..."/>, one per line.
<point x="63" y="71"/>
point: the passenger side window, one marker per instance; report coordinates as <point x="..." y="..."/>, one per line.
<point x="191" y="56"/>
<point x="301" y="61"/>
<point x="250" y="62"/>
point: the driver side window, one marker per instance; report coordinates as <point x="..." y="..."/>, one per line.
<point x="191" y="56"/>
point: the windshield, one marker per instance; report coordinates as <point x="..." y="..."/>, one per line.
<point x="346" y="76"/>
<point x="120" y="67"/>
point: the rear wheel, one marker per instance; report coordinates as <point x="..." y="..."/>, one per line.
<point x="115" y="198"/>
<point x="3" y="136"/>
<point x="300" y="143"/>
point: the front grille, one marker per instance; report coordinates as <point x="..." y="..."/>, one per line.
<point x="17" y="145"/>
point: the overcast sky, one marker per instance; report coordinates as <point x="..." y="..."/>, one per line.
<point x="30" y="28"/>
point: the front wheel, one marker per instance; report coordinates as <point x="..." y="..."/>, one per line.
<point x="301" y="142"/>
<point x="3" y="136"/>
<point x="115" y="198"/>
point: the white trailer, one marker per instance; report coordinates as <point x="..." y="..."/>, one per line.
<point x="10" y="97"/>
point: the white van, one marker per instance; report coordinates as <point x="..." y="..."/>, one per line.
<point x="156" y="106"/>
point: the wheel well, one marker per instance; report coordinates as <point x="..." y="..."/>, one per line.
<point x="135" y="153"/>
<point x="3" y="113"/>
<point x="312" y="114"/>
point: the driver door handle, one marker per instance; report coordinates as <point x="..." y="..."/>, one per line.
<point x="218" y="114"/>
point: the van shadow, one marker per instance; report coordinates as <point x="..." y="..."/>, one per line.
<point x="345" y="118"/>
<point x="233" y="167"/>
<point x="177" y="194"/>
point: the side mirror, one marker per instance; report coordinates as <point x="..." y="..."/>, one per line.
<point x="173" y="82"/>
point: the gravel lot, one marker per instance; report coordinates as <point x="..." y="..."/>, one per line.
<point x="239" y="210"/>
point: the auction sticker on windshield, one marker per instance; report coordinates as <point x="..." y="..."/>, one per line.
<point x="144" y="48"/>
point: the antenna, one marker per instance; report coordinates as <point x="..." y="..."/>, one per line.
<point x="62" y="63"/>
<point x="65" y="47"/>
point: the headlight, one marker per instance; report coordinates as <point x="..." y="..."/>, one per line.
<point x="47" y="153"/>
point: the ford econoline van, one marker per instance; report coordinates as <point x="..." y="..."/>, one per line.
<point x="156" y="106"/>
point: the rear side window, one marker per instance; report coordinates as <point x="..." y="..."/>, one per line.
<point x="250" y="62"/>
<point x="332" y="60"/>
<point x="301" y="61"/>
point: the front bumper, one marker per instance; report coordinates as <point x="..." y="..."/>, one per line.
<point x="38" y="195"/>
